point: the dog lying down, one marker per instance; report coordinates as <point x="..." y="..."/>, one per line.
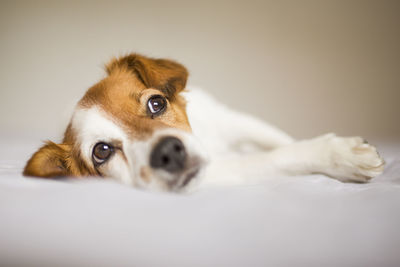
<point x="139" y="126"/>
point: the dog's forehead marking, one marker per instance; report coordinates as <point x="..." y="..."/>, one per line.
<point x="118" y="96"/>
<point x="91" y="125"/>
<point x="123" y="100"/>
<point x="121" y="97"/>
<point x="94" y="122"/>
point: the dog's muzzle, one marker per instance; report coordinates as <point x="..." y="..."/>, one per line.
<point x="170" y="156"/>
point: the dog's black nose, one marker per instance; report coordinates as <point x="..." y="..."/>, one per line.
<point x="169" y="154"/>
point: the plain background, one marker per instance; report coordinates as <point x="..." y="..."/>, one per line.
<point x="308" y="67"/>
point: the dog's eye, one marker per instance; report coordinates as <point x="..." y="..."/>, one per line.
<point x="102" y="152"/>
<point x="156" y="104"/>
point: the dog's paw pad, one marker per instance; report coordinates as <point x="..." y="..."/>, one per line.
<point x="354" y="159"/>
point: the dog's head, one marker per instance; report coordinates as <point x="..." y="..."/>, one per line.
<point x="131" y="126"/>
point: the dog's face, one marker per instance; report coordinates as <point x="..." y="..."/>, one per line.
<point x="131" y="126"/>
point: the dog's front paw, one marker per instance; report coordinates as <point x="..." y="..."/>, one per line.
<point x="353" y="159"/>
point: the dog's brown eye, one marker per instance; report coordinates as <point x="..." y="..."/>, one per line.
<point x="156" y="104"/>
<point x="102" y="152"/>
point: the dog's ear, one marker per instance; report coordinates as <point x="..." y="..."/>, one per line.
<point x="163" y="74"/>
<point x="49" y="161"/>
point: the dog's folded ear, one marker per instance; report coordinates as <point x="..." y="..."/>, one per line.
<point x="163" y="74"/>
<point x="49" y="161"/>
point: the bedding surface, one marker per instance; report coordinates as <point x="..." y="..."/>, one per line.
<point x="284" y="221"/>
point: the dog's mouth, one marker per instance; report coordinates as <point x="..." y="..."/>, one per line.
<point x="184" y="179"/>
<point x="187" y="178"/>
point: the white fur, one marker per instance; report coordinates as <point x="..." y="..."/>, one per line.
<point x="228" y="134"/>
<point x="94" y="125"/>
<point x="241" y="149"/>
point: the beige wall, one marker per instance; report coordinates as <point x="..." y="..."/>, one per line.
<point x="307" y="66"/>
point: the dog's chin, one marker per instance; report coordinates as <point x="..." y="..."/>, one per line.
<point x="192" y="172"/>
<point x="186" y="179"/>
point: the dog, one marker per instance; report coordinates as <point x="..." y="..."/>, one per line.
<point x="141" y="126"/>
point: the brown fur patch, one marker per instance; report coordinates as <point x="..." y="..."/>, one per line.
<point x="57" y="160"/>
<point x="166" y="75"/>
<point x="145" y="174"/>
<point x="48" y="161"/>
<point x="120" y="96"/>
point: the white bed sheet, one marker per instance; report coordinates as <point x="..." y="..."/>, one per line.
<point x="289" y="221"/>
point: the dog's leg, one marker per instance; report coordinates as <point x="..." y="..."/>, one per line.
<point x="345" y="159"/>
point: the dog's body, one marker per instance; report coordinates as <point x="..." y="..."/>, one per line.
<point x="139" y="126"/>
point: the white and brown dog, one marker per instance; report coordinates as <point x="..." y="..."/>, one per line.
<point x="136" y="127"/>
